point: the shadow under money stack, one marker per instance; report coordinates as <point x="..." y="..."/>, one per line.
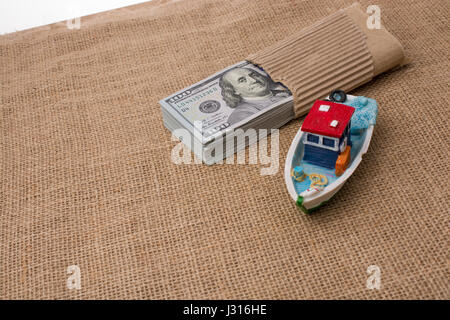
<point x="207" y="116"/>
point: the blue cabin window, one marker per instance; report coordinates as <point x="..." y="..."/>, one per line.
<point x="328" y="142"/>
<point x="313" y="138"/>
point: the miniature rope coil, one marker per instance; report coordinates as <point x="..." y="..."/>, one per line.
<point x="318" y="180"/>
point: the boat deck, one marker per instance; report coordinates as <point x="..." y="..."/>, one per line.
<point x="357" y="141"/>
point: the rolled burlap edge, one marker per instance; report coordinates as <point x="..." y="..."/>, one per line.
<point x="338" y="52"/>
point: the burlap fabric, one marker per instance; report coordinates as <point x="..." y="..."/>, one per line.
<point x="86" y="176"/>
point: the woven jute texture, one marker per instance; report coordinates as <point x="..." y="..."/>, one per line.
<point x="87" y="180"/>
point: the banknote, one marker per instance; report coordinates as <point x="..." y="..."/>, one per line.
<point x="226" y="100"/>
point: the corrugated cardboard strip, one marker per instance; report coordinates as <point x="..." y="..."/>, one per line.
<point x="338" y="52"/>
<point x="87" y="177"/>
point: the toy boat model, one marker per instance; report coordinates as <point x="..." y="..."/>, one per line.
<point x="328" y="148"/>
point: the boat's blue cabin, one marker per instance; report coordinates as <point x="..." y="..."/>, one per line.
<point x="324" y="151"/>
<point x="327" y="133"/>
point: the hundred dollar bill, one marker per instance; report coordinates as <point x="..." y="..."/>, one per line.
<point x="225" y="101"/>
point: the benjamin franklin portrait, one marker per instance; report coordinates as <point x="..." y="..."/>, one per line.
<point x="248" y="92"/>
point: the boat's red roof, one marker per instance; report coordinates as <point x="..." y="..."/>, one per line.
<point x="331" y="122"/>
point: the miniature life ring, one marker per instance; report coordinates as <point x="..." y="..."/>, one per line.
<point x="338" y="96"/>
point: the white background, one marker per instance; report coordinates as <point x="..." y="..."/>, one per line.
<point x="18" y="15"/>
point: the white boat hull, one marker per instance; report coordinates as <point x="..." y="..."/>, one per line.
<point x="314" y="200"/>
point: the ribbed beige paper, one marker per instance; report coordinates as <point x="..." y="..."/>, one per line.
<point x="331" y="54"/>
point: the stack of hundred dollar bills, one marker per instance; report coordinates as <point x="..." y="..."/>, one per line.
<point x="207" y="116"/>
